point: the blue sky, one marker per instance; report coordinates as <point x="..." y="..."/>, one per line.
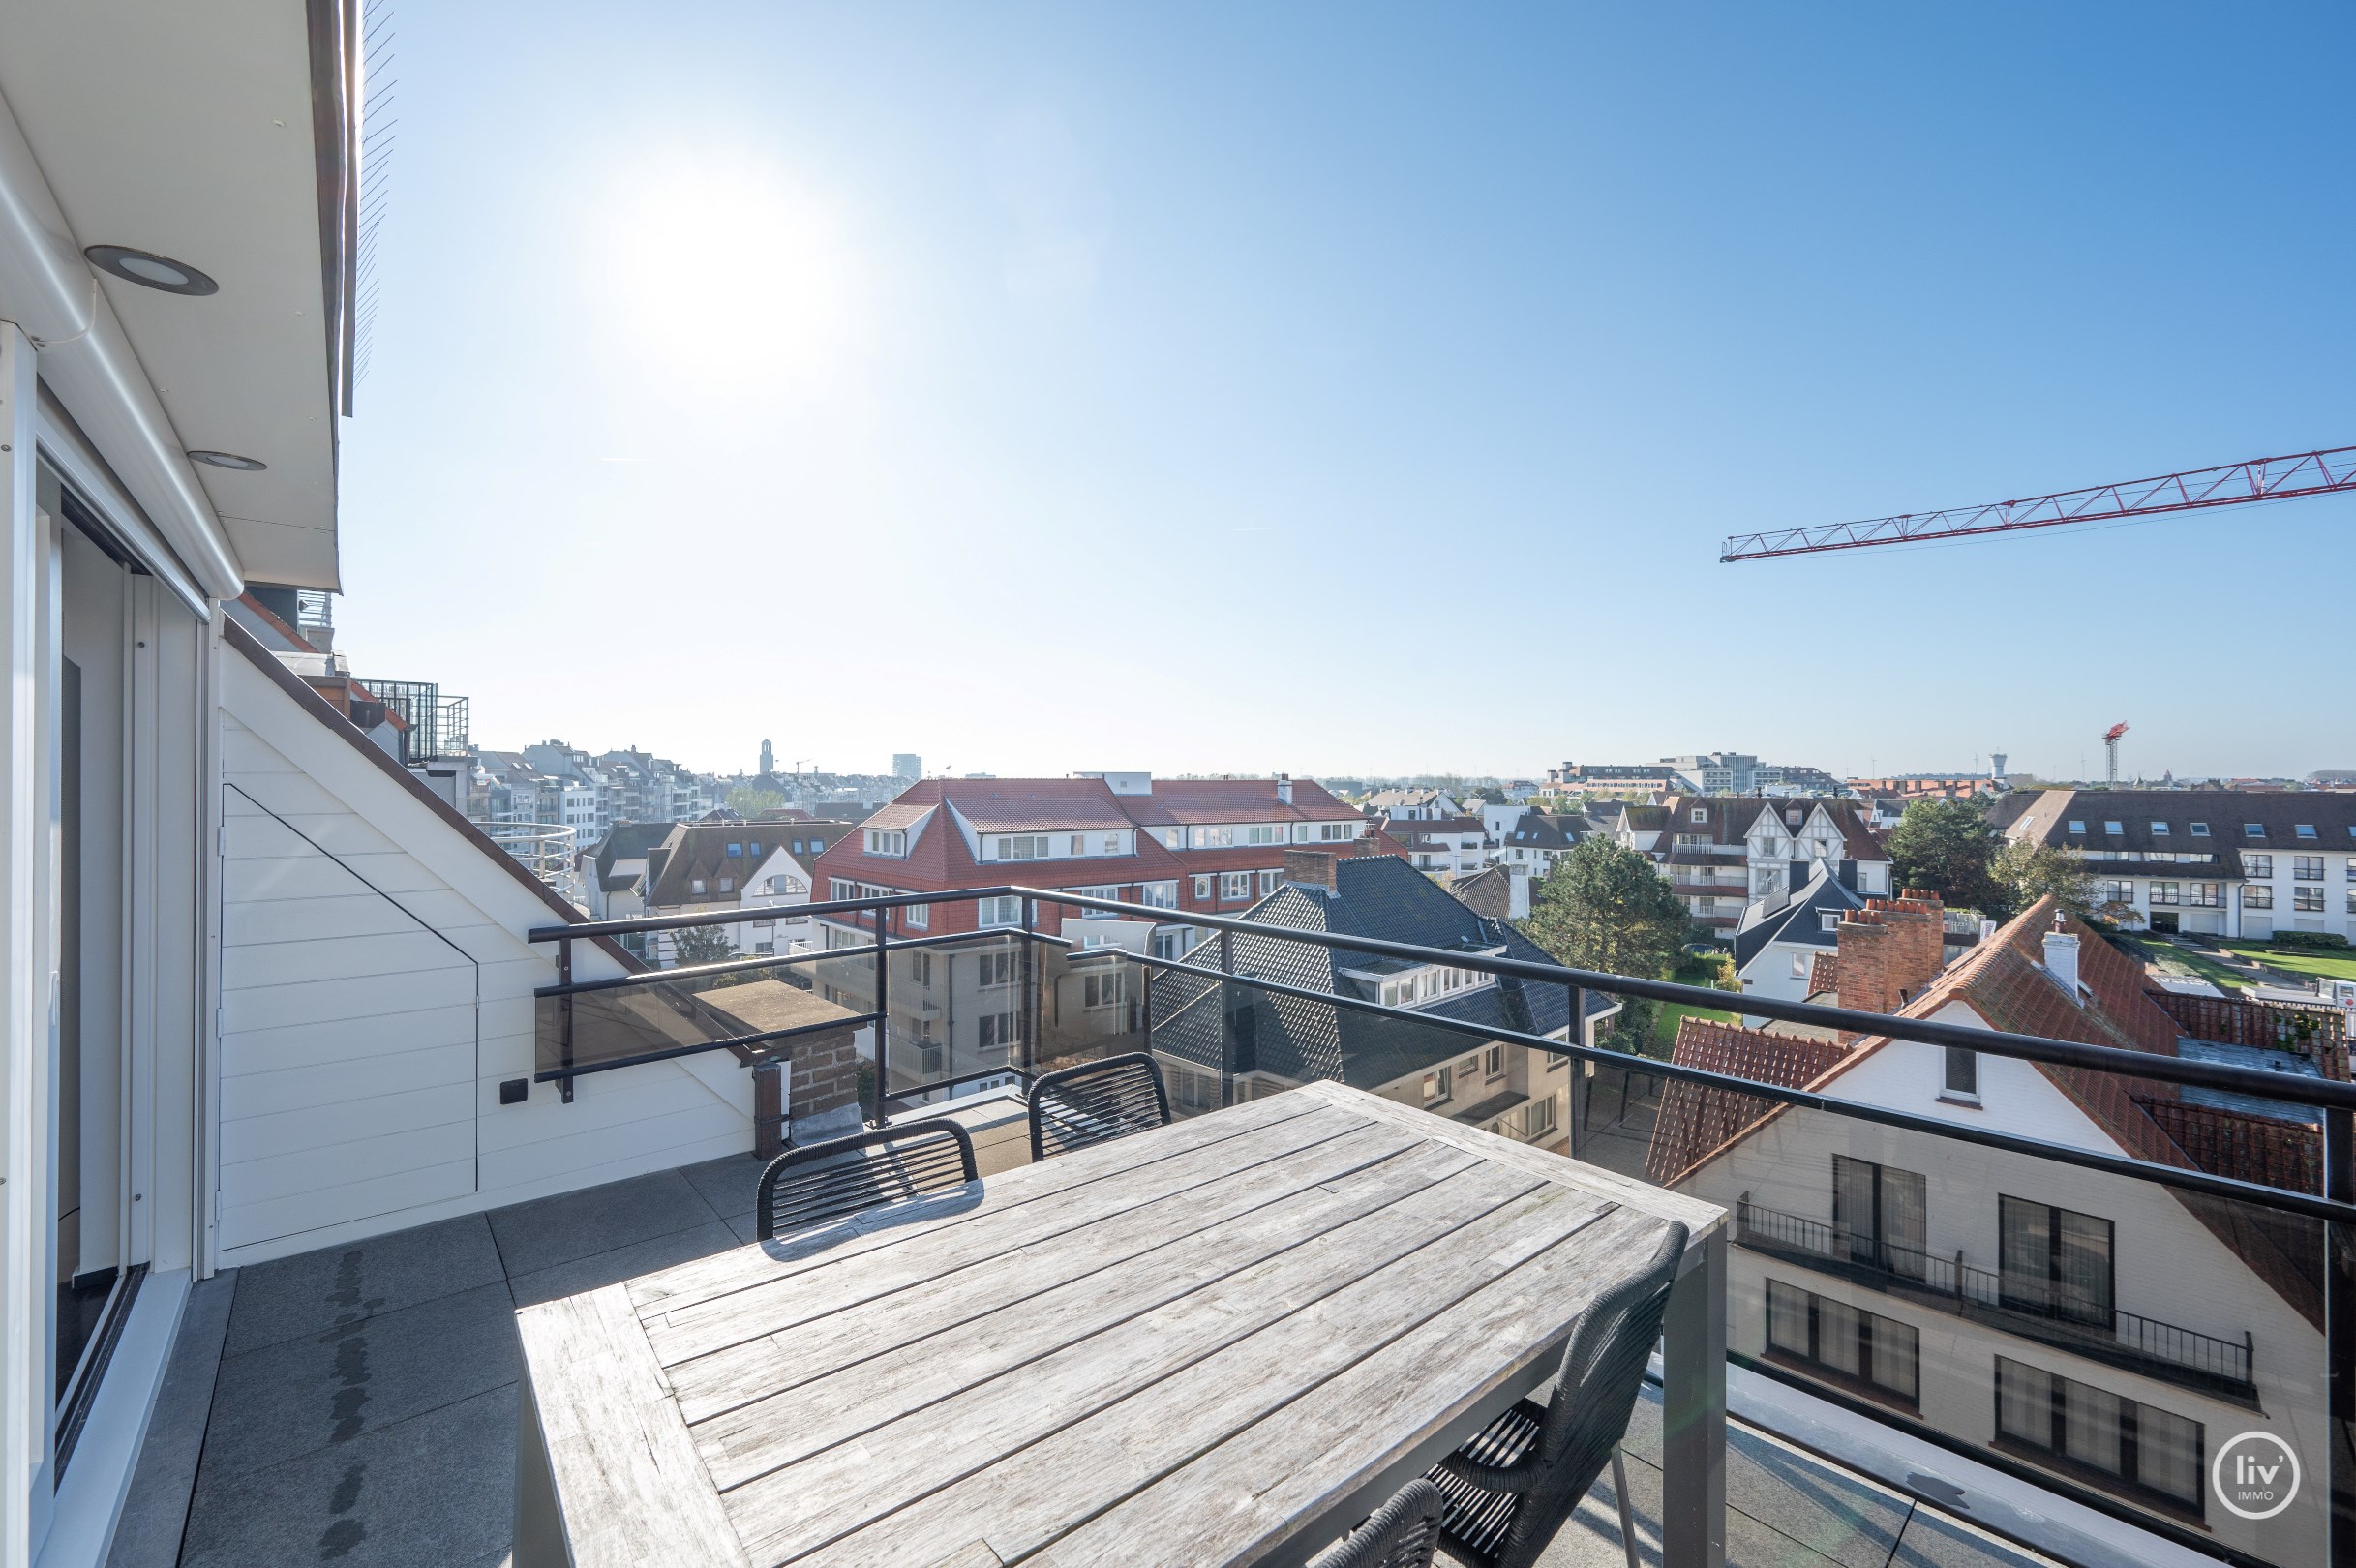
<point x="1345" y="389"/>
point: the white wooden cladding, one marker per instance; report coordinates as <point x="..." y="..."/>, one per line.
<point x="1192" y="1346"/>
<point x="377" y="989"/>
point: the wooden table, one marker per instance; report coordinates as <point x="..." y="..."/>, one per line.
<point x="1221" y="1342"/>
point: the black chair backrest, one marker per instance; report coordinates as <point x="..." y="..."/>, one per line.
<point x="825" y="1181"/>
<point x="1400" y="1534"/>
<point x="1602" y="1369"/>
<point x="1076" y="1107"/>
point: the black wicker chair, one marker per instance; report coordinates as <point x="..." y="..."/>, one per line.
<point x="825" y="1181"/>
<point x="1400" y="1534"/>
<point x="1095" y="1102"/>
<point x="1511" y="1487"/>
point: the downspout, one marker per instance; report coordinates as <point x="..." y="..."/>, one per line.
<point x="51" y="293"/>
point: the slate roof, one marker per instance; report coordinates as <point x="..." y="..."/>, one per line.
<point x="629" y="841"/>
<point x="1488" y="892"/>
<point x="1380" y="897"/>
<point x="700" y="850"/>
<point x="2227" y="813"/>
<point x="1547" y="830"/>
<point x="1797" y="920"/>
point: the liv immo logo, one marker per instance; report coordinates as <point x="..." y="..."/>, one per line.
<point x="2255" y="1475"/>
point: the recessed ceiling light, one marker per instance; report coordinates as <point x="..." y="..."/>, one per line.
<point x="229" y="460"/>
<point x="150" y="271"/>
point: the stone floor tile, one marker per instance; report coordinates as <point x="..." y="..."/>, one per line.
<point x="624" y="1262"/>
<point x="435" y="1490"/>
<point x="726" y="1183"/>
<point x="552" y="1230"/>
<point x="311" y="1291"/>
<point x="329" y="1388"/>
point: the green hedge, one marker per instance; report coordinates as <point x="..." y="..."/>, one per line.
<point x="2309" y="939"/>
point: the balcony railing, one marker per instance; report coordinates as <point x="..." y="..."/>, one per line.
<point x="1245" y="1008"/>
<point x="2036" y="1308"/>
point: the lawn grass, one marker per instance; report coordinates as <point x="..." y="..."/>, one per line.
<point x="2171" y="957"/>
<point x="1665" y="1023"/>
<point x="2297" y="960"/>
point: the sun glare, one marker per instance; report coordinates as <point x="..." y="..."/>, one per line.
<point x="727" y="274"/>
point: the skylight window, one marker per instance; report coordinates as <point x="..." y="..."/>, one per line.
<point x="2077" y="826"/>
<point x="2307" y="830"/>
<point x="2114" y="827"/>
<point x="2200" y="829"/>
<point x="2253" y="829"/>
<point x="2159" y="830"/>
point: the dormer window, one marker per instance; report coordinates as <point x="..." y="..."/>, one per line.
<point x="728" y="885"/>
<point x="1700" y="813"/>
<point x="1026" y="847"/>
<point x="890" y="841"/>
<point x="2200" y="829"/>
<point x="1829" y="920"/>
<point x="695" y="885"/>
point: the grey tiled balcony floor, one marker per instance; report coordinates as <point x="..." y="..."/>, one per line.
<point x="358" y="1406"/>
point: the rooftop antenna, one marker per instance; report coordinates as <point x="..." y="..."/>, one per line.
<point x="2110" y="753"/>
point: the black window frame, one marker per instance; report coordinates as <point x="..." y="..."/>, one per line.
<point x="2052" y="1446"/>
<point x="1873" y="1343"/>
<point x="1909" y="1258"/>
<point x="2048" y="1302"/>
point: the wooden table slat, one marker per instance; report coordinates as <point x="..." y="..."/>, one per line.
<point x="997" y="1231"/>
<point x="1233" y="1213"/>
<point x="630" y="1492"/>
<point x="682" y="1285"/>
<point x="1085" y="1300"/>
<point x="806" y="1504"/>
<point x="1034" y="1496"/>
<point x="1237" y="1502"/>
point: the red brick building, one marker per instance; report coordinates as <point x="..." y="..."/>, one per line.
<point x="1182" y="845"/>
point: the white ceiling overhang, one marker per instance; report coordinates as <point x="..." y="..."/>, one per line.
<point x="221" y="135"/>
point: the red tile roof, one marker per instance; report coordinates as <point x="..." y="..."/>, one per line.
<point x="1695" y="1123"/>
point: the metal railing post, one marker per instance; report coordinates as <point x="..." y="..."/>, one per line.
<point x="883" y="1018"/>
<point x="2339" y="1333"/>
<point x="1575" y="1111"/>
<point x="1033" y="975"/>
<point x="1226" y="1020"/>
<point x="565" y="1020"/>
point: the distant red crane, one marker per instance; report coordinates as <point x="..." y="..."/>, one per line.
<point x="2110" y="748"/>
<point x="2236" y="484"/>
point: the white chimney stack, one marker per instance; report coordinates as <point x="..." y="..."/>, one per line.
<point x="1517" y="893"/>
<point x="1283" y="787"/>
<point x="2062" y="958"/>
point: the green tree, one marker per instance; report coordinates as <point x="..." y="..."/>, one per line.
<point x="700" y="945"/>
<point x="750" y="801"/>
<point x="1604" y="907"/>
<point x="1949" y="848"/>
<point x="2027" y="872"/>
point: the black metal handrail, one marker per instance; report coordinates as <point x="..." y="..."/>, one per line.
<point x="1914" y="1268"/>
<point x="2337" y="1100"/>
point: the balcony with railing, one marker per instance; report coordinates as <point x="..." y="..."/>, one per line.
<point x="944" y="1020"/>
<point x="2059" y="1314"/>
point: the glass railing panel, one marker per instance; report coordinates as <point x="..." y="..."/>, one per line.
<point x="683" y="1007"/>
<point x="958" y="1011"/>
<point x="1092" y="1002"/>
<point x="2102" y="1335"/>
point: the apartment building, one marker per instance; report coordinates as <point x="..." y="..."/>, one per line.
<point x="2221" y="863"/>
<point x="1170" y="844"/>
<point x="1504" y="1088"/>
<point x="1990" y="1297"/>
<point x="1532" y="841"/>
<point x="1716" y="772"/>
<point x="730" y="864"/>
<point x="1613" y="779"/>
<point x="1723" y="853"/>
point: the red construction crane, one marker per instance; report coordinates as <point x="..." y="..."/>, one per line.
<point x="2236" y="484"/>
<point x="2110" y="748"/>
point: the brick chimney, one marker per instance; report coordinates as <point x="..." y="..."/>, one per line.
<point x="1917" y="949"/>
<point x="1864" y="946"/>
<point x="1312" y="869"/>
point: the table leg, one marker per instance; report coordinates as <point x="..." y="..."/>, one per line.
<point x="539" y="1528"/>
<point x="1693" y="1414"/>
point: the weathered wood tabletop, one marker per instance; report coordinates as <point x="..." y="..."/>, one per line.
<point x="1221" y="1342"/>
